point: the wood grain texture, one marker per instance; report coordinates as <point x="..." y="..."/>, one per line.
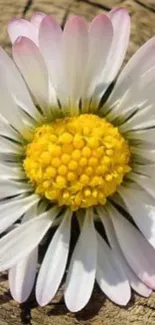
<point x="8" y="10"/>
<point x="99" y="311"/>
<point x="147" y="4"/>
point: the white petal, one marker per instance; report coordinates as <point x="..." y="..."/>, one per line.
<point x="118" y="16"/>
<point x="14" y="209"/>
<point x="29" y="214"/>
<point x="54" y="263"/>
<point x="8" y="146"/>
<point x="22" y="277"/>
<point x="118" y="200"/>
<point x="37" y="18"/>
<point x="50" y="44"/>
<point x="147" y="169"/>
<point x="110" y="275"/>
<point x="139" y="254"/>
<point x="141" y="207"/>
<point x="136" y="108"/>
<point x="137" y="285"/>
<point x="53" y="102"/>
<point x="14" y="172"/>
<point x="146" y="136"/>
<point x="7" y="131"/>
<point x="145" y="182"/>
<point x="140" y="63"/>
<point x="143" y="119"/>
<point x="29" y="124"/>
<point x="32" y="212"/>
<point x="75" y="39"/>
<point x="32" y="66"/>
<point x="26" y="237"/>
<point x="82" y="269"/>
<point x="140" y="155"/>
<point x="100" y="40"/>
<point x="11" y="188"/>
<point x="22" y="27"/>
<point x="135" y="282"/>
<point x="16" y="85"/>
<point x="8" y="108"/>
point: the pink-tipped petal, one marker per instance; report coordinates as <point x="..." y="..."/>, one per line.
<point x="121" y="25"/>
<point x="75" y="42"/>
<point x="16" y="85"/>
<point x="121" y="31"/>
<point x="21" y="27"/>
<point x="32" y="66"/>
<point x="100" y="40"/>
<point x="50" y="44"/>
<point x="37" y="18"/>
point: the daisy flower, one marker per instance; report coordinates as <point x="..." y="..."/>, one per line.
<point x="73" y="148"/>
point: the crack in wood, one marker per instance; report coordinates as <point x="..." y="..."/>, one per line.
<point x="27" y="7"/>
<point x="145" y="305"/>
<point x="25" y="314"/>
<point x="96" y="5"/>
<point x="64" y="19"/>
<point x="145" y="6"/>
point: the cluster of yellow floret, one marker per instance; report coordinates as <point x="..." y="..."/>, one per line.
<point x="77" y="161"/>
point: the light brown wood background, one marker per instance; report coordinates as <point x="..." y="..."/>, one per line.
<point x="99" y="311"/>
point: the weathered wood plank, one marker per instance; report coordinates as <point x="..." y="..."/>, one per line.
<point x="147" y="4"/>
<point x="106" y="4"/>
<point x="142" y="25"/>
<point x="100" y="311"/>
<point x="8" y="10"/>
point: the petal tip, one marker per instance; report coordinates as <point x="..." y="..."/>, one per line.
<point x="41" y="301"/>
<point x="38" y="13"/>
<point x="119" y="11"/>
<point x="100" y="24"/>
<point x="19" y="39"/>
<point x="51" y="23"/>
<point x="101" y="18"/>
<point x="13" y="20"/>
<point x="75" y="22"/>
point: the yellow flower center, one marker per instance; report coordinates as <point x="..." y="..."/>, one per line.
<point x="77" y="161"/>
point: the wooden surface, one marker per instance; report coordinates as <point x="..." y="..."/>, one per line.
<point x="99" y="311"/>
